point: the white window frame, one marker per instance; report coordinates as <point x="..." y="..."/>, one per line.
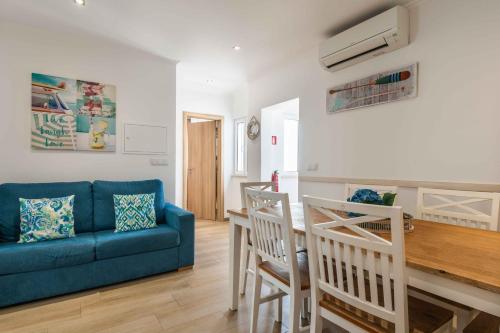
<point x="235" y="130"/>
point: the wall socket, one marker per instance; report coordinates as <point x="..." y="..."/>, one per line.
<point x="158" y="161"/>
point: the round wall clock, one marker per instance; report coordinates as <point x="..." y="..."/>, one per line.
<point x="253" y="128"/>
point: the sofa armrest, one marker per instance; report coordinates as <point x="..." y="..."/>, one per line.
<point x="182" y="221"/>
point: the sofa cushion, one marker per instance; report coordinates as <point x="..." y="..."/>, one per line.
<point x="10" y="208"/>
<point x="29" y="257"/>
<point x="134" y="212"/>
<point x="46" y="219"/>
<point x="104" y="208"/>
<point x="110" y="244"/>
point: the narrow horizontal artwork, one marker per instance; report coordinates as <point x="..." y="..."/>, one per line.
<point x="380" y="88"/>
<point x="69" y="114"/>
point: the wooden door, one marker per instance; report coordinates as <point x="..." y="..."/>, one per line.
<point x="202" y="169"/>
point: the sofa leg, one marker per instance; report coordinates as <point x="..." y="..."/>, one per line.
<point x="185" y="268"/>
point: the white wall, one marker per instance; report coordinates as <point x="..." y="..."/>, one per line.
<point x="233" y="195"/>
<point x="240" y="101"/>
<point x="240" y="109"/>
<point x="215" y="104"/>
<point x="145" y="86"/>
<point x="272" y="156"/>
<point x="450" y="132"/>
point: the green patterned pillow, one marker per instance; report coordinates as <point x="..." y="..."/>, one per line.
<point x="44" y="219"/>
<point x="134" y="212"/>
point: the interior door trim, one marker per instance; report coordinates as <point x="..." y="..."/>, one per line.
<point x="219" y="162"/>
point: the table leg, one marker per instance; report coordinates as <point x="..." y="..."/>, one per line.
<point x="234" y="263"/>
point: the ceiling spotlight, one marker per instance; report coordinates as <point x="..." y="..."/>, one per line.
<point x="236" y="47"/>
<point x="80" y="2"/>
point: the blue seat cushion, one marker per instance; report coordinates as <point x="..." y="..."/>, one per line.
<point x="104" y="206"/>
<point x="10" y="208"/>
<point x="29" y="257"/>
<point x="110" y="244"/>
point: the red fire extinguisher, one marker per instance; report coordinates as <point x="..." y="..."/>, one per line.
<point x="274" y="180"/>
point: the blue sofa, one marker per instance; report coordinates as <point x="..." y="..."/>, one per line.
<point x="97" y="256"/>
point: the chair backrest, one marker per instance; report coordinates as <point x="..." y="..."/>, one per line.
<point x="272" y="231"/>
<point x="346" y="262"/>
<point x="381" y="189"/>
<point x="254" y="185"/>
<point x="464" y="208"/>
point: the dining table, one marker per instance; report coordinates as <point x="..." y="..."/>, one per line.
<point x="457" y="263"/>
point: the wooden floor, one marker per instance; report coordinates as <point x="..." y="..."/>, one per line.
<point x="188" y="301"/>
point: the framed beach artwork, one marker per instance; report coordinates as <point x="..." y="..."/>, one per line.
<point x="385" y="87"/>
<point x="69" y="114"/>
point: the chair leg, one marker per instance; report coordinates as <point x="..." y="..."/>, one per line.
<point x="245" y="261"/>
<point x="461" y="323"/>
<point x="279" y="309"/>
<point x="463" y="319"/>
<point x="304" y="312"/>
<point x="257" y="286"/>
<point x="446" y="328"/>
<point x="316" y="320"/>
<point x="295" y="306"/>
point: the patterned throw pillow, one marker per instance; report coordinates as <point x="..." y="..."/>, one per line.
<point x="134" y="212"/>
<point x="44" y="219"/>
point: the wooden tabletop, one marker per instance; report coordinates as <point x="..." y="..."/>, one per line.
<point x="464" y="254"/>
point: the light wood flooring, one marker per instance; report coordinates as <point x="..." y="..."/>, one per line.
<point x="188" y="301"/>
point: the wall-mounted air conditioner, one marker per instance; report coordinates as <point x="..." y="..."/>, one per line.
<point x="381" y="34"/>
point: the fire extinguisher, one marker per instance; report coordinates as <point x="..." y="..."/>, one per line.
<point x="275" y="181"/>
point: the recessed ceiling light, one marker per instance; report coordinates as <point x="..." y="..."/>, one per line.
<point x="80" y="2"/>
<point x="236" y="47"/>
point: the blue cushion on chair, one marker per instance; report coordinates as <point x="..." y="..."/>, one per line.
<point x="104" y="206"/>
<point x="10" y="208"/>
<point x="29" y="257"/>
<point x="110" y="244"/>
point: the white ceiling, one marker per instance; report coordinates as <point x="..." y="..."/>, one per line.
<point x="200" y="34"/>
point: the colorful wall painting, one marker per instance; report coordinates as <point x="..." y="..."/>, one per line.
<point x="380" y="88"/>
<point x="70" y="114"/>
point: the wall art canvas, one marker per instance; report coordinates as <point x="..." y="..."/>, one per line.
<point x="380" y="88"/>
<point x="69" y="114"/>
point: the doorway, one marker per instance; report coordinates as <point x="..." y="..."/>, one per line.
<point x="203" y="190"/>
<point x="280" y="145"/>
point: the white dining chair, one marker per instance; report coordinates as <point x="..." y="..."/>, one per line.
<point x="462" y="208"/>
<point x="350" y="189"/>
<point x="246" y="239"/>
<point x="276" y="259"/>
<point x="371" y="295"/>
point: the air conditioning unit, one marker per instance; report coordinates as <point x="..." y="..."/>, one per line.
<point x="381" y="34"/>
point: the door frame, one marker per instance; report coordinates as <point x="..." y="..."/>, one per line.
<point x="219" y="164"/>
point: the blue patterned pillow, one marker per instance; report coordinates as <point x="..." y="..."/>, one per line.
<point x="134" y="212"/>
<point x="44" y="219"/>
